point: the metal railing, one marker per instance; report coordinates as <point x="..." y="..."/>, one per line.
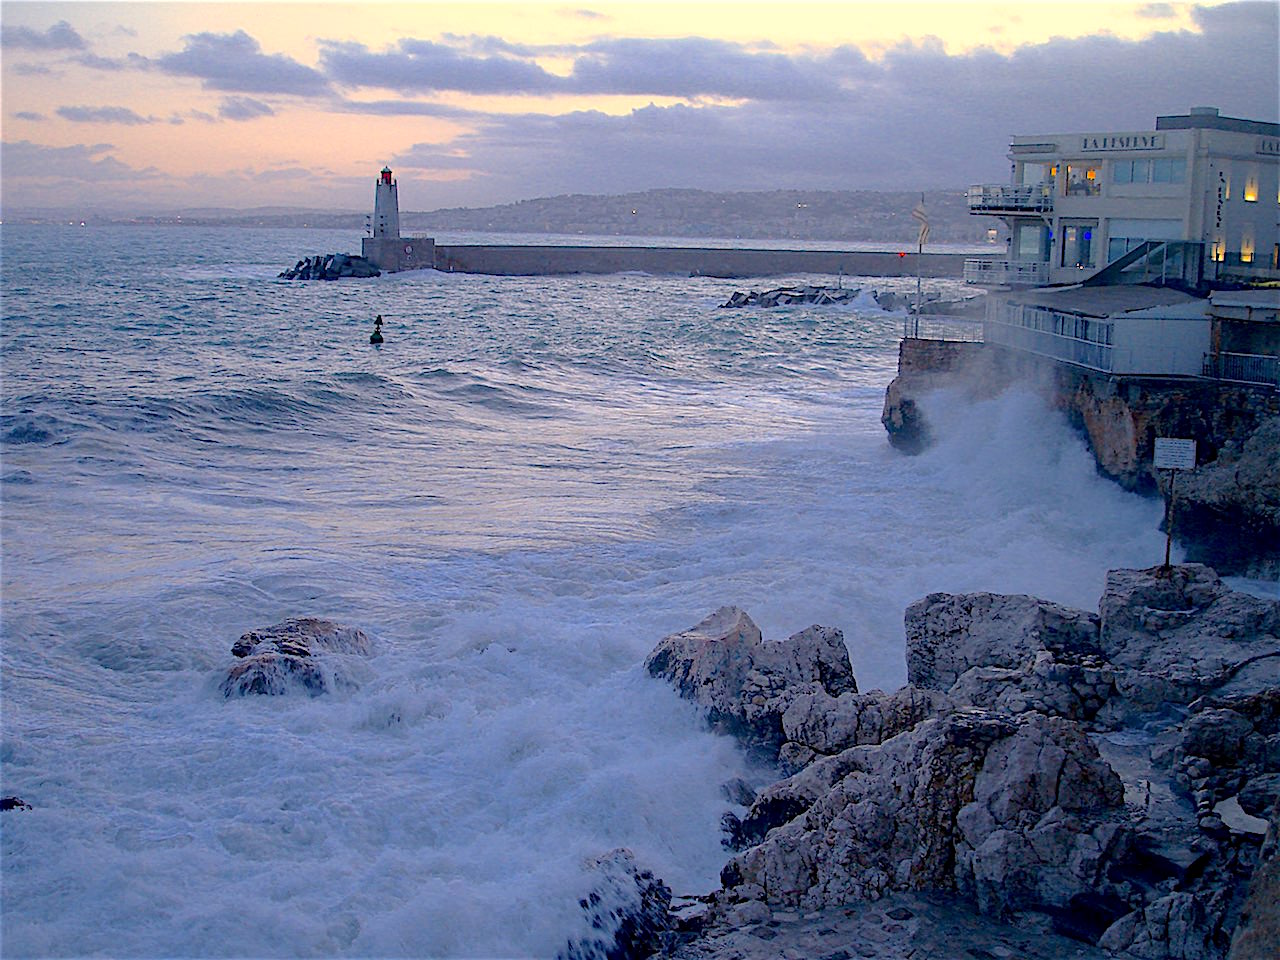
<point x="1243" y="367"/>
<point x="997" y="198"/>
<point x="1084" y="341"/>
<point x="963" y="329"/>
<point x="1006" y="273"/>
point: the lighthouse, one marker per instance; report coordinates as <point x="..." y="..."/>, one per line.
<point x="384" y="246"/>
<point x="386" y="208"/>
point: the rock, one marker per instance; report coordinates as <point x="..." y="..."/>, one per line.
<point x="1237" y="493"/>
<point x="295" y="654"/>
<point x="628" y="911"/>
<point x="816" y="722"/>
<point x="1260" y="795"/>
<point x="789" y="295"/>
<point x="332" y="266"/>
<point x="14" y="803"/>
<point x="1179" y="633"/>
<point x="1175" y="926"/>
<point x="746" y="684"/>
<point x="948" y="635"/>
<point x="1257" y="934"/>
<point x="1006" y="810"/>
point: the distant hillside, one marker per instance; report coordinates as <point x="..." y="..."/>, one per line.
<point x="779" y="214"/>
<point x="845" y="215"/>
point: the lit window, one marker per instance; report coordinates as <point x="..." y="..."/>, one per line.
<point x="1251" y="190"/>
<point x="1246" y="249"/>
<point x="1218" y="253"/>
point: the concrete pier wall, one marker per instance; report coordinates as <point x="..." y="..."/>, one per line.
<point x="517" y="260"/>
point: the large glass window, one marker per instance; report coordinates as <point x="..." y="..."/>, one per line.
<point x="1031" y="242"/>
<point x="1083" y="181"/>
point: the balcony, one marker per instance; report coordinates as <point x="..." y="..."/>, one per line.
<point x="1006" y="273"/>
<point x="988" y="199"/>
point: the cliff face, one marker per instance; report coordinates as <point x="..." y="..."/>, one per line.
<point x="1227" y="511"/>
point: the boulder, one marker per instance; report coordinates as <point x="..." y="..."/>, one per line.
<point x="1016" y="812"/>
<point x="949" y="634"/>
<point x="628" y="910"/>
<point x="302" y="654"/>
<point x="746" y="684"/>
<point x="1175" y="634"/>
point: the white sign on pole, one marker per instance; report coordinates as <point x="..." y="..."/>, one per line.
<point x="1175" y="454"/>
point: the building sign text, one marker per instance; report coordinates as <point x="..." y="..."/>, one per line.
<point x="1122" y="141"/>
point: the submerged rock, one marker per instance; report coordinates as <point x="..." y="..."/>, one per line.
<point x="628" y="910"/>
<point x="295" y="654"/>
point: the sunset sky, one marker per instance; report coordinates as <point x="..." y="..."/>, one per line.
<point x="152" y="107"/>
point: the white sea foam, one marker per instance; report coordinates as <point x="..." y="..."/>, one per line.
<point x="531" y="484"/>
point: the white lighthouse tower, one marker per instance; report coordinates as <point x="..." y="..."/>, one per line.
<point x="385" y="247"/>
<point x="386" y="208"/>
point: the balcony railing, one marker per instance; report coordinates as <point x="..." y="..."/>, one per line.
<point x="1006" y="273"/>
<point x="1243" y="368"/>
<point x="1074" y="339"/>
<point x="987" y="198"/>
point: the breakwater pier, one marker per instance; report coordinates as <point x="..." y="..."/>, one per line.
<point x="548" y="260"/>
<point x="515" y="260"/>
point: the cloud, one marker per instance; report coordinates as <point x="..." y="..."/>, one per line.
<point x="234" y="62"/>
<point x="918" y="117"/>
<point x="28" y="115"/>
<point x="61" y="36"/>
<point x="418" y="66"/>
<point x="1157" y="11"/>
<point x="696" y="67"/>
<point x="95" y="62"/>
<point x="243" y="108"/>
<point x="86" y="163"/>
<point x="122" y="115"/>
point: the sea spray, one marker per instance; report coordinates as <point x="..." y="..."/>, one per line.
<point x="517" y="498"/>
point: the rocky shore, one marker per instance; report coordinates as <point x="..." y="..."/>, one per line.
<point x="1050" y="783"/>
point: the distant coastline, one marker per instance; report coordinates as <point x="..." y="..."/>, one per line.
<point x="833" y="217"/>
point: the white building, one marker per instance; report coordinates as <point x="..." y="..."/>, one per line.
<point x="1197" y="198"/>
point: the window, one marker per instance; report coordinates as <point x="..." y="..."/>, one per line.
<point x="1246" y="247"/>
<point x="1083" y="181"/>
<point x="1168" y="170"/>
<point x="1250" y="192"/>
<point x="1077" y="244"/>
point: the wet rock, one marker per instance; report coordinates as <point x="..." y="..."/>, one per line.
<point x="333" y="266"/>
<point x="746" y="684"/>
<point x="14" y="803"/>
<point x="628" y="910"/>
<point x="303" y="654"/>
<point x="1006" y="810"/>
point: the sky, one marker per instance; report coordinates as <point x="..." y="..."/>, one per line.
<point x="154" y="107"/>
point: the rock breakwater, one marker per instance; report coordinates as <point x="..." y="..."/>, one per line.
<point x="331" y="266"/>
<point x="1105" y="777"/>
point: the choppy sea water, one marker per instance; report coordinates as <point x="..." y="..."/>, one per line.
<point x="529" y="484"/>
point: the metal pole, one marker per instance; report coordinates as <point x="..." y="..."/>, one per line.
<point x="1168" y="518"/>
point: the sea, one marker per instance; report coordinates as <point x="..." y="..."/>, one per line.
<point x="530" y="483"/>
